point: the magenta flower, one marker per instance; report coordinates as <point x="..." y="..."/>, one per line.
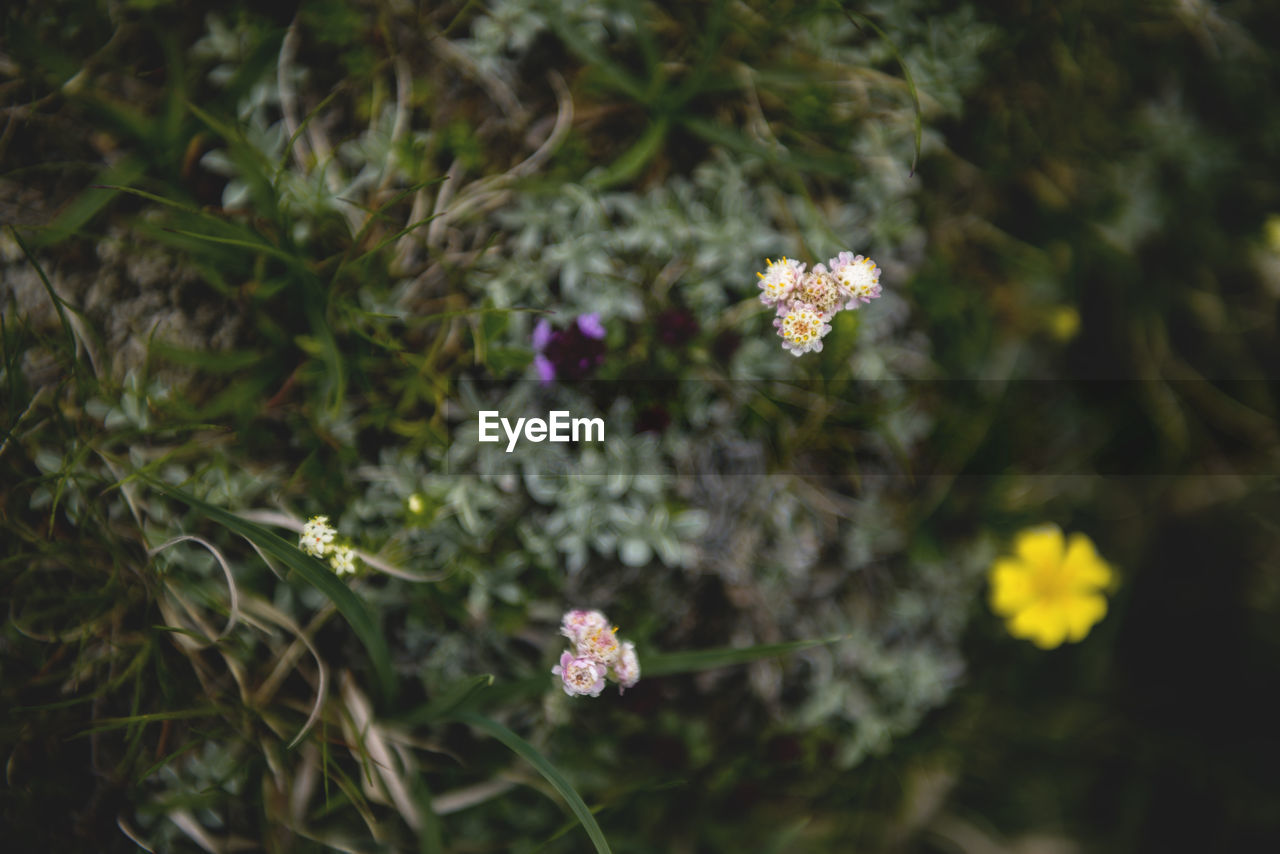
<point x="570" y="354"/>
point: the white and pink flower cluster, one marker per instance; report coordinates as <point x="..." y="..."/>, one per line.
<point x="596" y="654"/>
<point x="806" y="302"/>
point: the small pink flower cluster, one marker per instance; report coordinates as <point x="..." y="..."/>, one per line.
<point x="806" y="302"/>
<point x="596" y="654"/>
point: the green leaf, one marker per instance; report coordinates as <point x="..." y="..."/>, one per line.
<point x="449" y="700"/>
<point x="357" y="613"/>
<point x="530" y="754"/>
<point x="501" y="360"/>
<point x="58" y="302"/>
<point x="825" y="164"/>
<point x="631" y="161"/>
<point x="256" y="245"/>
<point x="708" y="659"/>
<point x="906" y="73"/>
<point x="106" y="724"/>
<point x="615" y="76"/>
<point x="72" y="218"/>
<point x="214" y="362"/>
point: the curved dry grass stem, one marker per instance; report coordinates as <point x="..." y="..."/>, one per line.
<point x="400" y="126"/>
<point x="320" y="155"/>
<point x="373" y="737"/>
<point x="226" y="571"/>
<point x="489" y="193"/>
<point x="484" y="194"/>
<point x="188" y="825"/>
<point x="289" y="98"/>
<point x="497" y="88"/>
<point x="128" y="831"/>
<point x="188" y="644"/>
<point x="127" y="488"/>
<point x="305" y="780"/>
<point x="470" y="796"/>
<point x="435" y="230"/>
<point x="271" y="684"/>
<point x="36" y="400"/>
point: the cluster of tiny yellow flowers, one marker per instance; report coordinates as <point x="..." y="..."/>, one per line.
<point x="596" y="654"/>
<point x="806" y="301"/>
<point x="317" y="540"/>
<point x="1051" y="589"/>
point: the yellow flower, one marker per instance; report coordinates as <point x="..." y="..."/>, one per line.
<point x="1272" y="231"/>
<point x="1051" y="589"/>
<point x="1064" y="322"/>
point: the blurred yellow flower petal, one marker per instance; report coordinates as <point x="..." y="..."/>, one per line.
<point x="1272" y="231"/>
<point x="1082" y="613"/>
<point x="1064" y="322"/>
<point x="1040" y="546"/>
<point x="1050" y="591"/>
<point x="1011" y="589"/>
<point x="1083" y="565"/>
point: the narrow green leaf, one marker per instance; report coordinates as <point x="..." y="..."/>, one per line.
<point x="72" y="218"/>
<point x="400" y="196"/>
<point x="58" y="302"/>
<point x="134" y="191"/>
<point x="631" y="161"/>
<point x="222" y="129"/>
<point x="386" y="241"/>
<point x="449" y="700"/>
<point x="597" y="60"/>
<point x="260" y="246"/>
<point x="105" y="724"/>
<point x="826" y="164"/>
<point x="302" y="126"/>
<point x="531" y="755"/>
<point x="708" y="659"/>
<point x="906" y="73"/>
<point x="315" y="573"/>
<point x="215" y="362"/>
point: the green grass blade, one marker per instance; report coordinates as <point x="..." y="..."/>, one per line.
<point x="734" y="140"/>
<point x="631" y="161"/>
<point x="218" y="362"/>
<point x="107" y="724"/>
<point x="315" y="573"/>
<point x="530" y="754"/>
<point x="143" y="194"/>
<point x="449" y="700"/>
<point x="708" y="659"/>
<point x="72" y="218"/>
<point x="906" y="73"/>
<point x="614" y="75"/>
<point x="58" y="303"/>
<point x="256" y="245"/>
<point x="386" y="241"/>
<point x="283" y="162"/>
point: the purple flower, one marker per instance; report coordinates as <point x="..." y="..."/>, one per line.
<point x="541" y="337"/>
<point x="676" y="327"/>
<point x="590" y="326"/>
<point x="568" y="354"/>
